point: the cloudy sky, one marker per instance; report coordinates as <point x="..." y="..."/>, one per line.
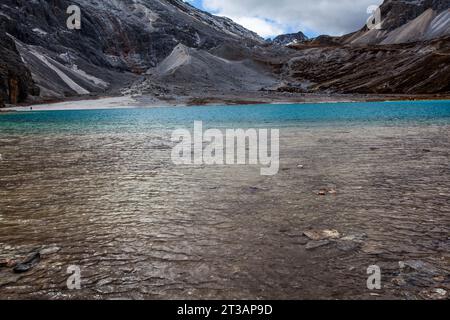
<point x="273" y="17"/>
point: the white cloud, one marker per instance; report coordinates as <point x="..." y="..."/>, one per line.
<point x="273" y="17"/>
<point x="261" y="26"/>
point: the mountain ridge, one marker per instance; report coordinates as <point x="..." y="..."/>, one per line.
<point x="118" y="40"/>
<point x="123" y="44"/>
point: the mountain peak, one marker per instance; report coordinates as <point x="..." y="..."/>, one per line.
<point x="290" y="38"/>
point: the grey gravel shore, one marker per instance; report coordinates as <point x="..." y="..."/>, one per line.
<point x="213" y="98"/>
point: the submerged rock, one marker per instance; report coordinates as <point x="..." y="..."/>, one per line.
<point x="419" y="266"/>
<point x="318" y="235"/>
<point x="28" y="263"/>
<point x="49" y="251"/>
<point x="399" y="281"/>
<point x="351" y="242"/>
<point x="356" y="237"/>
<point x="7" y="263"/>
<point x="372" y="248"/>
<point x="324" y="192"/>
<point x="348" y="245"/>
<point x="439" y="279"/>
<point x="317" y="244"/>
<point x="434" y="294"/>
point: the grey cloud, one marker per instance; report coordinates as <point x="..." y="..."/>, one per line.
<point x="332" y="17"/>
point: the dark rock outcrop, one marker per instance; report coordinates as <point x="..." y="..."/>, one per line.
<point x="16" y="82"/>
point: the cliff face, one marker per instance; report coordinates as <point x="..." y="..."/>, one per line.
<point x="15" y="79"/>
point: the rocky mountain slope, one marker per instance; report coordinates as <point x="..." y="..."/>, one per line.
<point x="118" y="40"/>
<point x="167" y="48"/>
<point x="186" y="70"/>
<point x="416" y="68"/>
<point x="410" y="54"/>
<point x="405" y="21"/>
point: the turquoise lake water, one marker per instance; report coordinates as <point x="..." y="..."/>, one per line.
<point x="116" y="120"/>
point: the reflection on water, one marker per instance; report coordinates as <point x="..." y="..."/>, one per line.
<point x="97" y="189"/>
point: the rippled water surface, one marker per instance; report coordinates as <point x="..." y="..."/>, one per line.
<point x="98" y="189"/>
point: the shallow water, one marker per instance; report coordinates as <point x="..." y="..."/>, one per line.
<point x="143" y="120"/>
<point x="99" y="189"/>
